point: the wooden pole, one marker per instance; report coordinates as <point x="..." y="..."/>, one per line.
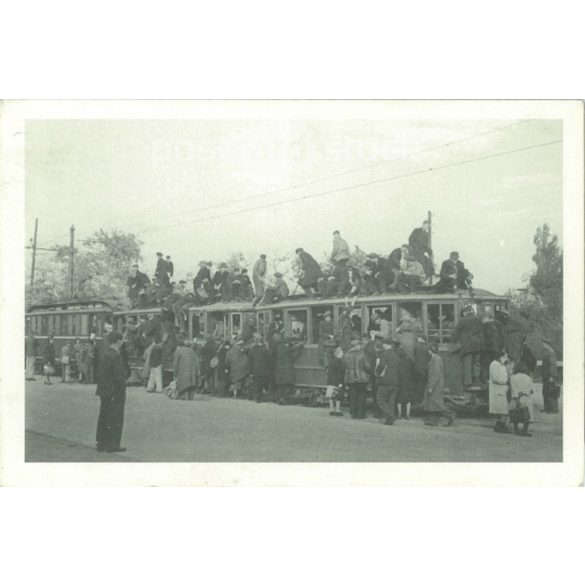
<point x="34" y="255"/>
<point x="429" y="219"/>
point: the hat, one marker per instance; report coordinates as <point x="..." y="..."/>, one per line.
<point x="263" y="256"/>
<point x="223" y="265"/>
<point x="454" y="255"/>
<point x="244" y="270"/>
<point x="182" y="282"/>
<point x="169" y="257"/>
<point x="278" y="274"/>
<point x="159" y="253"/>
<point x="373" y="255"/>
<point x="327" y="313"/>
<point x="298" y="250"/>
<point x="336" y="233"/>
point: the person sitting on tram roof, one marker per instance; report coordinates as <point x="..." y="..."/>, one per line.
<point x="277" y="291"/>
<point x="454" y="275"/>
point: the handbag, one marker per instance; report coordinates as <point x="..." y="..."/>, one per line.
<point x="519" y="414"/>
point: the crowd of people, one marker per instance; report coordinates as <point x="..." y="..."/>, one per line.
<point x="407" y="268"/>
<point x="403" y="372"/>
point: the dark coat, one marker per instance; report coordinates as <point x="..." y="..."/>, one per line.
<point x="406" y="374"/>
<point x="261" y="361"/>
<point x="311" y="269"/>
<point x="202" y="275"/>
<point x="336" y="372"/>
<point x="170" y="267"/>
<point x="161" y="271"/>
<point x="419" y="243"/>
<point x="469" y="334"/>
<point x="456" y="269"/>
<point x="549" y="363"/>
<point x="388" y="368"/>
<point x="111" y="374"/>
<point x="394" y="258"/>
<point x="286" y="355"/>
<point x="421" y="357"/>
<point x="49" y="354"/>
<point x="493" y="341"/>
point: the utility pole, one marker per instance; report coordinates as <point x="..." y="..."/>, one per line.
<point x="71" y="254"/>
<point x="429" y="219"/>
<point x="34" y="255"/>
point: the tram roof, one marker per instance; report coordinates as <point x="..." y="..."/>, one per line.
<point x="72" y="305"/>
<point x="303" y="301"/>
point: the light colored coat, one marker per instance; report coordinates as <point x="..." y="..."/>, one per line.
<point x="340" y="249"/>
<point x="522" y="388"/>
<point x="498" y="387"/>
<point x="186" y="368"/>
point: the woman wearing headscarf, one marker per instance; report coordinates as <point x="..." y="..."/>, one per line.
<point x="498" y="392"/>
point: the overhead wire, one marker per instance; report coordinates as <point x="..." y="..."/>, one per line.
<point x="348" y="172"/>
<point x="356" y="186"/>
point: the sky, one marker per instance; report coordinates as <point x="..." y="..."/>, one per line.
<point x="184" y="187"/>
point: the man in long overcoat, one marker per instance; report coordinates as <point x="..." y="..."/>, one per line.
<point x="186" y="371"/>
<point x="311" y="271"/>
<point x="469" y="336"/>
<point x="433" y="402"/>
<point x="238" y="365"/>
<point x="420" y="248"/>
<point x="287" y="352"/>
<point x="261" y="361"/>
<point x="160" y="272"/>
<point x="111" y="389"/>
<point x="387" y="381"/>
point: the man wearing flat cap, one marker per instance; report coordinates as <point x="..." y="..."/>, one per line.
<point x="454" y="274"/>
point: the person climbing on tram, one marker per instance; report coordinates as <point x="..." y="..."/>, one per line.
<point x="311" y="272"/>
<point x="420" y="248"/>
<point x="340" y="254"/>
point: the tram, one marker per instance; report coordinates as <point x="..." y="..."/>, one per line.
<point x="436" y="315"/>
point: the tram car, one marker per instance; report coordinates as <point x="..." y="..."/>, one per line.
<point x="434" y="315"/>
<point x="66" y="321"/>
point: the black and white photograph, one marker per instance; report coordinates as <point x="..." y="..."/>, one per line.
<point x="299" y="283"/>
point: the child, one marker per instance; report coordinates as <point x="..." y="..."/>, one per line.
<point x="335" y="382"/>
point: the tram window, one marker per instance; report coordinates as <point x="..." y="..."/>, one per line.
<point x="296" y="322"/>
<point x="217" y="325"/>
<point x="236" y="323"/>
<point x="261" y="323"/>
<point x="84" y="329"/>
<point x="317" y="317"/>
<point x="44" y="325"/>
<point x="440" y="322"/>
<point x="196" y="326"/>
<point x="385" y="312"/>
<point x="74" y="325"/>
<point x="64" y="325"/>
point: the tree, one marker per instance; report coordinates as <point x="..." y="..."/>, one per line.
<point x="547" y="281"/>
<point x="541" y="303"/>
<point x="102" y="266"/>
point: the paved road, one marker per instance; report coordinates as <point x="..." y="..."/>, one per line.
<point x="61" y="419"/>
